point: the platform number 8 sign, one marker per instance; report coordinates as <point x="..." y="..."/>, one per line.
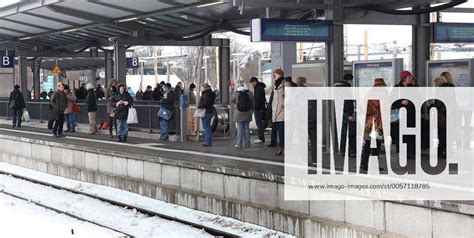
<point x="132" y="63"/>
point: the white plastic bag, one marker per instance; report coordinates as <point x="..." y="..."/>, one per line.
<point x="132" y="116"/>
<point x="200" y="113"/>
<point x="25" y="116"/>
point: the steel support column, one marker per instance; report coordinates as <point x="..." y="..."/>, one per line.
<point x="120" y="64"/>
<point x="283" y="56"/>
<point x="109" y="67"/>
<point x="23" y="76"/>
<point x="421" y="48"/>
<point x="36" y="78"/>
<point x="224" y="73"/>
<point x="335" y="49"/>
<point x="335" y="68"/>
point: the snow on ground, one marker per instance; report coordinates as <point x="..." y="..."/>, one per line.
<point x="129" y="221"/>
<point x="219" y="222"/>
<point x="18" y="218"/>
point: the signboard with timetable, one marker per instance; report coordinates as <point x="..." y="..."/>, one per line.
<point x="452" y="32"/>
<point x="265" y="29"/>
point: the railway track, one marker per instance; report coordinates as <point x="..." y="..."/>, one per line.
<point x="213" y="231"/>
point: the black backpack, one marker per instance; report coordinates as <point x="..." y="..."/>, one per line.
<point x="244" y="103"/>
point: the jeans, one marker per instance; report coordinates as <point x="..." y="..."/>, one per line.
<point x="280" y="128"/>
<point x="58" y="124"/>
<point x="346" y="135"/>
<point x="164" y="129"/>
<point x="112" y="125"/>
<point x="92" y="122"/>
<point x="16" y="116"/>
<point x="206" y="124"/>
<point x="70" y="122"/>
<point x="122" y="127"/>
<point x="259" y="114"/>
<point x="243" y="133"/>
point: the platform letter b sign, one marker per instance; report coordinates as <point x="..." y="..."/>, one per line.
<point x="7" y="61"/>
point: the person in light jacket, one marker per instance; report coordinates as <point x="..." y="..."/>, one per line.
<point x="243" y="114"/>
<point x="278" y="110"/>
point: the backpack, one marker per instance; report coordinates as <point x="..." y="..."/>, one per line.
<point x="243" y="102"/>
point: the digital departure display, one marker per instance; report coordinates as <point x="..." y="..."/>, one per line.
<point x="264" y="29"/>
<point x="452" y="32"/>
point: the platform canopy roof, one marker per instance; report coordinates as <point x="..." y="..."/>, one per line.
<point x="73" y="25"/>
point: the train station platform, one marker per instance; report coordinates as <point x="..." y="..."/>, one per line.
<point x="243" y="184"/>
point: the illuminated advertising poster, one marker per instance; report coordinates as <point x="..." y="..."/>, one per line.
<point x="460" y="70"/>
<point x="365" y="72"/>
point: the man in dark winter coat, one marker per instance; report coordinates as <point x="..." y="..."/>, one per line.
<point x="158" y="92"/>
<point x="167" y="103"/>
<point x="17" y="104"/>
<point x="123" y="102"/>
<point x="59" y="103"/>
<point x="260" y="111"/>
<point x="348" y="119"/>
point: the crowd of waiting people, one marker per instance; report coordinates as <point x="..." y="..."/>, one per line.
<point x="248" y="104"/>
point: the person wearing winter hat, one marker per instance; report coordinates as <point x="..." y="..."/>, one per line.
<point x="244" y="104"/>
<point x="406" y="79"/>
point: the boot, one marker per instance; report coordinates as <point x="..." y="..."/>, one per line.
<point x="280" y="151"/>
<point x="110" y="132"/>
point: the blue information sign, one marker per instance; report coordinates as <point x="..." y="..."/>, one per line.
<point x="8" y="61"/>
<point x="132" y="63"/>
<point x="264" y="29"/>
<point x="452" y="32"/>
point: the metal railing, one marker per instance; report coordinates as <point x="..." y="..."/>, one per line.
<point x="147" y="119"/>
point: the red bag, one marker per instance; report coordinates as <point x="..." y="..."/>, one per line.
<point x="105" y="125"/>
<point x="75" y="108"/>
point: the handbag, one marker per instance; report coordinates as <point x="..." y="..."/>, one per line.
<point x="12" y="104"/>
<point x="26" y="116"/>
<point x="200" y="113"/>
<point x="105" y="125"/>
<point x="164" y="113"/>
<point x="75" y="108"/>
<point x="132" y="116"/>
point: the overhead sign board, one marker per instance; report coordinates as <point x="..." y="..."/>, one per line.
<point x="452" y="32"/>
<point x="8" y="61"/>
<point x="265" y="29"/>
<point x="132" y="63"/>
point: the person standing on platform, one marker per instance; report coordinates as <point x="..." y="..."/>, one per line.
<point x="109" y="95"/>
<point x="277" y="76"/>
<point x="148" y="94"/>
<point x="167" y="103"/>
<point x="348" y="121"/>
<point x="69" y="114"/>
<point x="82" y="92"/>
<point x="178" y="91"/>
<point x="260" y="110"/>
<point x="139" y="94"/>
<point x="50" y="93"/>
<point x="192" y="94"/>
<point x="59" y="103"/>
<point x="244" y="104"/>
<point x="207" y="100"/>
<point x="278" y="110"/>
<point x="123" y="102"/>
<point x="406" y="80"/>
<point x="91" y="104"/>
<point x="16" y="103"/>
